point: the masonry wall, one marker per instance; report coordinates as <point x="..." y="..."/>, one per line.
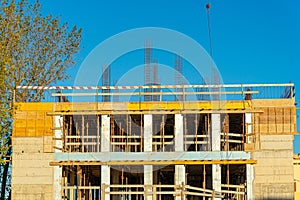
<point x="297" y="177"/>
<point x="32" y="141"/>
<point x="32" y="177"/>
<point x="274" y="128"/>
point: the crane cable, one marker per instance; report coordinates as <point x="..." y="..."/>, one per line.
<point x="208" y="24"/>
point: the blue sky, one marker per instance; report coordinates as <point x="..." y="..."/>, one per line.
<point x="253" y="41"/>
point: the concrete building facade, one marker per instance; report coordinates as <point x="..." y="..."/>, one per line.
<point x="238" y="148"/>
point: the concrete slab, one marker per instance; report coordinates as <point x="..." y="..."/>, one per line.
<point x="140" y="156"/>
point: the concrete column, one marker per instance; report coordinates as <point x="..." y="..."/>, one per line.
<point x="249" y="168"/>
<point x="148" y="169"/>
<point x="216" y="146"/>
<point x="250" y="178"/>
<point x="179" y="178"/>
<point x="148" y="181"/>
<point x="105" y="147"/>
<point x="215" y="132"/>
<point x="148" y="132"/>
<point x="57" y="170"/>
<point x="179" y="140"/>
<point x="248" y="123"/>
<point x="105" y="133"/>
<point x="216" y="178"/>
<point x="105" y="179"/>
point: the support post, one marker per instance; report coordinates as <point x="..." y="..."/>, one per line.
<point x="105" y="133"/>
<point x="105" y="147"/>
<point x="148" y="132"/>
<point x="179" y="133"/>
<point x="216" y="146"/>
<point x="105" y="181"/>
<point x="179" y="179"/>
<point x="148" y="169"/>
<point x="148" y="181"/>
<point x="215" y="132"/>
<point x="57" y="171"/>
<point x="250" y="178"/>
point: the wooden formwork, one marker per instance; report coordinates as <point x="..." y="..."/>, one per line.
<point x="31" y="119"/>
<point x="277" y="117"/>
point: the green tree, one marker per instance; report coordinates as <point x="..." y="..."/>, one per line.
<point x="34" y="50"/>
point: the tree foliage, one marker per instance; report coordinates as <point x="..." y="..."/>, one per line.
<point x="34" y="50"/>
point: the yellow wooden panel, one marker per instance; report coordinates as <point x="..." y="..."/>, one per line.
<point x="30" y="132"/>
<point x="48" y="122"/>
<point x="39" y="132"/>
<point x="31" y="119"/>
<point x="35" y="106"/>
<point x="40" y="115"/>
<point x="40" y="123"/>
<point x="21" y="132"/>
<point x="31" y="123"/>
<point x="20" y="115"/>
<point x="20" y="123"/>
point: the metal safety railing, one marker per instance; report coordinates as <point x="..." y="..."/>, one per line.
<point x="165" y="92"/>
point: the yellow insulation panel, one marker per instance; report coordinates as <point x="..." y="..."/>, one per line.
<point x="31" y="119"/>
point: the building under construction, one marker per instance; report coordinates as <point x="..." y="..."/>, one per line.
<point x="165" y="142"/>
<point x="155" y="142"/>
